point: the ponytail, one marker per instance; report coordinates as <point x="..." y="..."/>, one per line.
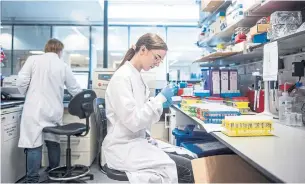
<point x="128" y="56"/>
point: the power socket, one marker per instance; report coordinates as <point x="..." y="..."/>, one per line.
<point x="298" y="69"/>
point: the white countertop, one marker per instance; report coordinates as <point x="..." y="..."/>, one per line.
<point x="280" y="157"/>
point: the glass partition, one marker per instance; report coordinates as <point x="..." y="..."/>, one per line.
<point x="6" y="44"/>
<point x="137" y="32"/>
<point x="117" y="45"/>
<point x="182" y="51"/>
<point x="76" y="41"/>
<point x="28" y="40"/>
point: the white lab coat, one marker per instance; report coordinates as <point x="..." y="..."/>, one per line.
<point x="130" y="112"/>
<point x="41" y="80"/>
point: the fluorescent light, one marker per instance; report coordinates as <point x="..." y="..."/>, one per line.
<point x="36" y="52"/>
<point x="75" y="55"/>
<point x="116" y="54"/>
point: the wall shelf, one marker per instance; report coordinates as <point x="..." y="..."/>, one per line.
<point x="225" y="35"/>
<point x="212" y="15"/>
<point x="251" y="17"/>
<point x="268" y="7"/>
<point x="288" y="44"/>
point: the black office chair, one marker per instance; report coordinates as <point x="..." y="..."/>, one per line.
<point x="81" y="105"/>
<point x="101" y="126"/>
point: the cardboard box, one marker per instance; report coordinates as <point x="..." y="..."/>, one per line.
<point x="225" y="169"/>
<point x="210" y="5"/>
<point x="259" y="28"/>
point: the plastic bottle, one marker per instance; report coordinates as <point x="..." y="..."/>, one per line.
<point x="285" y="107"/>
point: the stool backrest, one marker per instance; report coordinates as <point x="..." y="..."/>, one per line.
<point x="100" y="120"/>
<point x="81" y="105"/>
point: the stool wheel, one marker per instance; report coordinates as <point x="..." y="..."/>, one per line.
<point x="62" y="173"/>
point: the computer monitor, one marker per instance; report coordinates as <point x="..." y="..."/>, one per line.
<point x="82" y="79"/>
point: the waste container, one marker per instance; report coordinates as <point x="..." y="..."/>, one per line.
<point x="188" y="134"/>
<point x="205" y="149"/>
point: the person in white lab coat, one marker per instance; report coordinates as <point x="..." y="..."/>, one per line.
<point x="130" y="112"/>
<point x="42" y="79"/>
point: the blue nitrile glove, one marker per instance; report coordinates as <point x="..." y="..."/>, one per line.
<point x="168" y="93"/>
<point x="166" y="105"/>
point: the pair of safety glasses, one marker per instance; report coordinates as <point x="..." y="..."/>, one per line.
<point x="157" y="57"/>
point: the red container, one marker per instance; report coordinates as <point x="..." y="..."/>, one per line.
<point x="285" y="86"/>
<point x="180" y="92"/>
<point x="261" y="99"/>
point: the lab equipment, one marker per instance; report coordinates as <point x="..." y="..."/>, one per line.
<point x="189" y="134"/>
<point x="212" y="113"/>
<point x="10" y="87"/>
<point x="285" y="108"/>
<point x="13" y="161"/>
<point x="82" y="79"/>
<point x="299" y="101"/>
<point x="215" y="82"/>
<point x="206" y="79"/>
<point x="248" y="125"/>
<point x="101" y="78"/>
<point x="81" y="106"/>
<point x="224" y="80"/>
<point x="205" y="148"/>
<point x="284" y="23"/>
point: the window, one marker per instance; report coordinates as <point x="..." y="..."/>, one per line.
<point x="117" y="45"/>
<point x="76" y="42"/>
<point x="28" y="40"/>
<point x="6" y="43"/>
<point x="137" y="32"/>
<point x="182" y="51"/>
<point x="97" y="47"/>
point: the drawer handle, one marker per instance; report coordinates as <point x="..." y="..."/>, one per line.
<point x="71" y="142"/>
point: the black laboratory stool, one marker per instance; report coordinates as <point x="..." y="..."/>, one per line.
<point x="101" y="127"/>
<point x="81" y="105"/>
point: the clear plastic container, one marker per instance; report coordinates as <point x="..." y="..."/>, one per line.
<point x="299" y="102"/>
<point x="285" y="107"/>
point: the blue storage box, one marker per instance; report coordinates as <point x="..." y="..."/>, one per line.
<point x="189" y="135"/>
<point x="205" y="149"/>
<point x="260" y="38"/>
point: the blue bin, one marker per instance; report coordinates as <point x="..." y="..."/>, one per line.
<point x="205" y="149"/>
<point x="189" y="135"/>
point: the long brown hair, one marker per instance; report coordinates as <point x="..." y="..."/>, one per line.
<point x="150" y="41"/>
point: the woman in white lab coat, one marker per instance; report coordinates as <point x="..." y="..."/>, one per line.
<point x="130" y="112"/>
<point x="42" y="79"/>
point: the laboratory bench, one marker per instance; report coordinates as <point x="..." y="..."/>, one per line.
<point x="12" y="157"/>
<point x="281" y="158"/>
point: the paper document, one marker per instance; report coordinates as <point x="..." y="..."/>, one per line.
<point x="270" y="65"/>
